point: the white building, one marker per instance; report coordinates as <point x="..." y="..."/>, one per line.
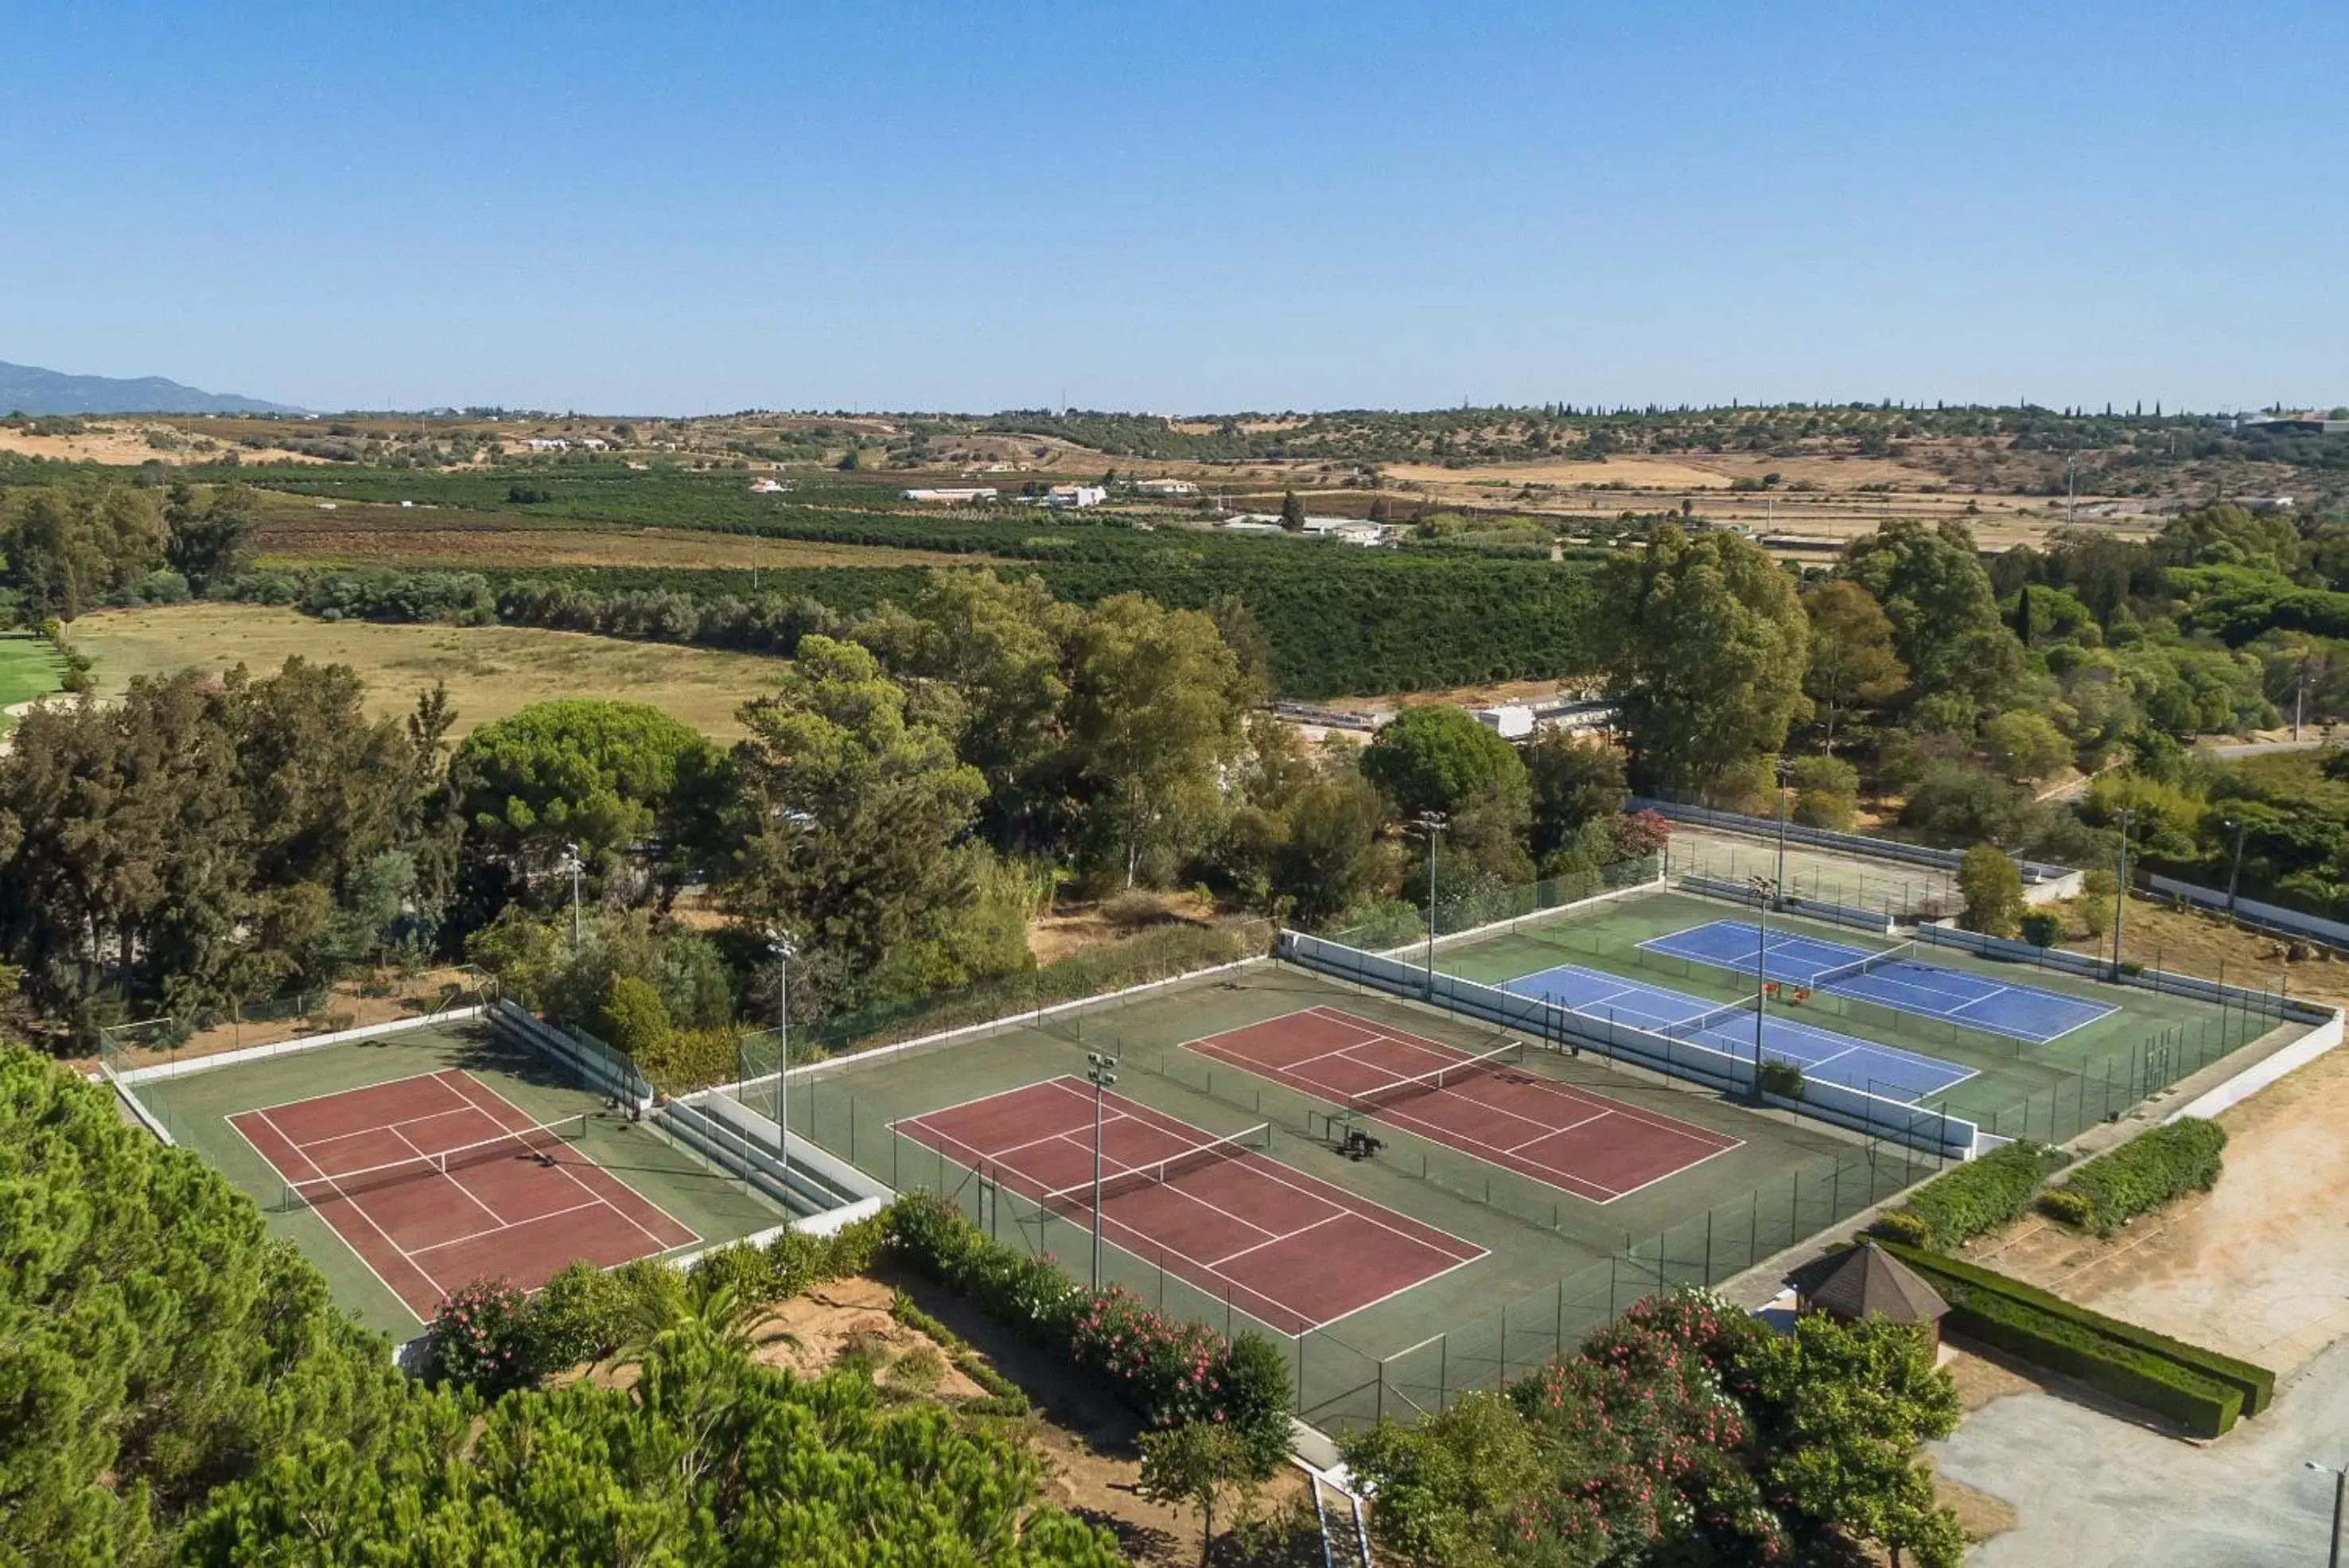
<point x="1071" y="497"/>
<point x="767" y="487"/>
<point x="967" y="495"/>
<point x="547" y="444"/>
<point x="1165" y="487"/>
<point x="1511" y="722"/>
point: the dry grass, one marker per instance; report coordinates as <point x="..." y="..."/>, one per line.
<point x="491" y="671"/>
<point x="284" y="543"/>
<point x="125" y="444"/>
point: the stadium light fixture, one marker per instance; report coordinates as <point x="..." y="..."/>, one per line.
<point x="2340" y="1474"/>
<point x="1100" y="1075"/>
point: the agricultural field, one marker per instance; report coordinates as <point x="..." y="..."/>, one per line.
<point x="491" y="671"/>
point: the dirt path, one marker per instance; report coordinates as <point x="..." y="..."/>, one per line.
<point x="2257" y="1267"/>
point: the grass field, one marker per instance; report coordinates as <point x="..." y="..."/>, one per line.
<point x="29" y="668"/>
<point x="196" y="1107"/>
<point x="1554" y="1264"/>
<point x="491" y="671"/>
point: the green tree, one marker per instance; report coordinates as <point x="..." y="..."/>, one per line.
<point x="1194" y="1465"/>
<point x="633" y="1018"/>
<point x="1437" y="757"/>
<point x="1846" y="1407"/>
<point x="1935" y="590"/>
<point x="1992" y="886"/>
<point x="2025" y="747"/>
<point x="997" y="646"/>
<point x="602" y="774"/>
<point x="1293" y="512"/>
<point x="161" y="1342"/>
<point x="1851" y="656"/>
<point x="1705" y="645"/>
<point x="1156" y="710"/>
<point x="850" y="807"/>
<point x="205" y="543"/>
<point x="1574" y="783"/>
<point x="1453" y="1487"/>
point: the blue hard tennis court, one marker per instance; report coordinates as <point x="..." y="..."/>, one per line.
<point x="1892" y="980"/>
<point x="1822" y="1054"/>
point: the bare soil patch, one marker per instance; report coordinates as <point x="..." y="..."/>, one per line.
<point x="127" y="443"/>
<point x="2257" y="1267"/>
<point x="2192" y="942"/>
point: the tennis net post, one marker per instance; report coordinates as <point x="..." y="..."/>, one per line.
<point x="540" y="1140"/>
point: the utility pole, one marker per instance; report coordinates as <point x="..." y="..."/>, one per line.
<point x="573" y="864"/>
<point x="2299" y="689"/>
<point x="779" y="944"/>
<point x="1764" y="891"/>
<point x="1432" y="823"/>
<point x="2235" y="872"/>
<point x="1099" y="1074"/>
<point x="2340" y="1496"/>
<point x="1784" y="770"/>
<point x="2071" y="486"/>
<point x="2127" y="818"/>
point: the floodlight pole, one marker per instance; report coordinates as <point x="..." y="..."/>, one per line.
<point x="2127" y="818"/>
<point x="2340" y="1475"/>
<point x="1433" y="823"/>
<point x="1764" y="891"/>
<point x="1099" y="1074"/>
<point x="779" y="944"/>
<point x="2299" y="689"/>
<point x="571" y="863"/>
<point x="1784" y="770"/>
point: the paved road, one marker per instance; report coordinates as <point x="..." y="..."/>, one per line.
<point x="2260" y="748"/>
<point x="2093" y="1490"/>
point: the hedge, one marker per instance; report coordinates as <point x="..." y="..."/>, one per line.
<point x="2203" y="1405"/>
<point x="2154" y="1168"/>
<point x="1956" y="1279"/>
<point x="1980" y="1195"/>
<point x="1172" y="1373"/>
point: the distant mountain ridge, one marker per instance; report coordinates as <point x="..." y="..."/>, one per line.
<point x="29" y="389"/>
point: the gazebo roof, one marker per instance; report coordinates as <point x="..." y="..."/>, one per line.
<point x="1866" y="1282"/>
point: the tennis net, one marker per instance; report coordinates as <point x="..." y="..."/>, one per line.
<point x="1704" y="1023"/>
<point x="1370" y="1102"/>
<point x="1828" y="979"/>
<point x="540" y="1141"/>
<point x="1238" y="1146"/>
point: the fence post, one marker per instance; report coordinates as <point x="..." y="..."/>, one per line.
<point x="1708" y="1246"/>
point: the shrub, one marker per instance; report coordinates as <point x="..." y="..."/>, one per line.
<point x="633" y="1017"/>
<point x="685" y="1059"/>
<point x="1004" y="1397"/>
<point x="1982" y="1194"/>
<point x="1784" y="1079"/>
<point x="2068" y="1206"/>
<point x="1169" y="1371"/>
<point x="480" y="1337"/>
<point x="578" y="1315"/>
<point x="1817" y="808"/>
<point x="1900" y="1225"/>
<point x="2156" y="1168"/>
<point x="2042" y="929"/>
<point x="2202" y="1405"/>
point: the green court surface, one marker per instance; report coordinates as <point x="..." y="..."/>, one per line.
<point x="2046" y="1090"/>
<point x="29" y="668"/>
<point x="195" y="1106"/>
<point x="1556" y="1264"/>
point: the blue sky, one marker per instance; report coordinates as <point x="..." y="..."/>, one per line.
<point x="1181" y="208"/>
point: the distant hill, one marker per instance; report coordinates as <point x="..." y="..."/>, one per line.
<point x="29" y="389"/>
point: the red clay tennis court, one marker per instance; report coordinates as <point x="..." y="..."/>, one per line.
<point x="437" y="1179"/>
<point x="1292" y="1252"/>
<point x="1566" y="1137"/>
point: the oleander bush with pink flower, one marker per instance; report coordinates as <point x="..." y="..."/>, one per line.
<point x="1170" y="1371"/>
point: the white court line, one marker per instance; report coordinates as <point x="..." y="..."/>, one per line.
<point x="1138" y="1246"/>
<point x="359" y="1209"/>
<point x="1614" y="1106"/>
<point x="452" y="1181"/>
<point x="641" y="1228"/>
<point x="1271" y="1169"/>
<point x="338" y="1094"/>
<point x="503" y="1226"/>
<point x="372" y="1271"/>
